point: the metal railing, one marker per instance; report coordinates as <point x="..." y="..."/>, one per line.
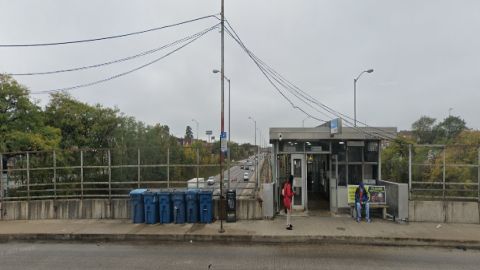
<point x="444" y="172"/>
<point x="102" y="173"/>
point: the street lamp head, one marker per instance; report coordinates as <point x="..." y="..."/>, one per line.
<point x="370" y="70"/>
<point x="215" y="71"/>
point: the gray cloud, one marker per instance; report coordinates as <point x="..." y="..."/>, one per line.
<point x="425" y="56"/>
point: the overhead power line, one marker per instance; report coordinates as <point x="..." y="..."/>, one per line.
<point x="108" y="37"/>
<point x="270" y="74"/>
<point x="193" y="38"/>
<point x="179" y="41"/>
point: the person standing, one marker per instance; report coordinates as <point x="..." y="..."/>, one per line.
<point x="288" y="193"/>
<point x="361" y="200"/>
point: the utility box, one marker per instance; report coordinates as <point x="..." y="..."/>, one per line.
<point x="231" y="206"/>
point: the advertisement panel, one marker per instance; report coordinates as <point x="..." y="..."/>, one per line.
<point x="376" y="194"/>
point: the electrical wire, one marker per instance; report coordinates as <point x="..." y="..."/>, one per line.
<point x="105" y="63"/>
<point x="195" y="37"/>
<point x="108" y="37"/>
<point x="310" y="98"/>
<point x="297" y="92"/>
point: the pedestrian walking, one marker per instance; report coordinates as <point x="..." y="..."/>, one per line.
<point x="288" y="193"/>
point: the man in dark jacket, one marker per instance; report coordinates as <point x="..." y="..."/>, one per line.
<point x="361" y="200"/>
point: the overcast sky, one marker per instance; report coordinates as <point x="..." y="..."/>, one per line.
<point x="426" y="57"/>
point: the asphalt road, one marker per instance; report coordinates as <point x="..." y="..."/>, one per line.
<point x="200" y="256"/>
<point x="237" y="181"/>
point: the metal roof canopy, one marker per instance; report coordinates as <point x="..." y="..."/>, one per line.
<point x="323" y="133"/>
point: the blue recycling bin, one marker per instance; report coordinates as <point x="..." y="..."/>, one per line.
<point x="136" y="200"/>
<point x="206" y="206"/>
<point x="191" y="199"/>
<point x="150" y="201"/>
<point x="165" y="207"/>
<point x="178" y="199"/>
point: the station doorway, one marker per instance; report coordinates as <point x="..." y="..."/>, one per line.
<point x="318" y="182"/>
<point x="311" y="182"/>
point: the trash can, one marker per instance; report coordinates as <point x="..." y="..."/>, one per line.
<point x="206" y="209"/>
<point x="150" y="200"/>
<point x="165" y="207"/>
<point x="136" y="200"/>
<point x="191" y="198"/>
<point x="231" y="206"/>
<point x="178" y="199"/>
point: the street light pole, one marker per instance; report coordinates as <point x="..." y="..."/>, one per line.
<point x="229" y="121"/>
<point x="355" y="95"/>
<point x="222" y="83"/>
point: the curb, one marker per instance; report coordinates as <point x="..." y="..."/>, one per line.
<point x="250" y="239"/>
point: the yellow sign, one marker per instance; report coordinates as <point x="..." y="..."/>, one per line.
<point x="376" y="194"/>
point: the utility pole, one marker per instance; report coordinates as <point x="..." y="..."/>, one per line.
<point x="222" y="83"/>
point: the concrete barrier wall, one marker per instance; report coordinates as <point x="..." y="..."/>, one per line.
<point x="98" y="209"/>
<point x="448" y="211"/>
<point x="397" y="198"/>
<point x="247" y="209"/>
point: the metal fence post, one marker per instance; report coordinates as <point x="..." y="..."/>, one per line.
<point x="109" y="175"/>
<point x="138" y="168"/>
<point x="81" y="174"/>
<point x="478" y="180"/>
<point x="410" y="171"/>
<point x="54" y="175"/>
<point x="198" y="164"/>
<point x="444" y="168"/>
<point x="168" y="167"/>
<point x="28" y="176"/>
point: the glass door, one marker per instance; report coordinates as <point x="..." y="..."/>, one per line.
<point x="299" y="181"/>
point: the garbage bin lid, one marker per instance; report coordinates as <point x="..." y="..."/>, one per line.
<point x="138" y="191"/>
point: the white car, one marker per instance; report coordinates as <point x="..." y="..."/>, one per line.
<point x="211" y="180"/>
<point x="245" y="176"/>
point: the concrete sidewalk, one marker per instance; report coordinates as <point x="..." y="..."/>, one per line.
<point x="309" y="229"/>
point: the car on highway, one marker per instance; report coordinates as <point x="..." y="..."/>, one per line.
<point x="245" y="176"/>
<point x="211" y="180"/>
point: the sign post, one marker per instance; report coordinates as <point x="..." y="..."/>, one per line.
<point x="223" y="142"/>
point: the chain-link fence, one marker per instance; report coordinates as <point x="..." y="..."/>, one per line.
<point x="444" y="172"/>
<point x="97" y="173"/>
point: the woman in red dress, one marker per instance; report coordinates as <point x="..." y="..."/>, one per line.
<point x="287" y="199"/>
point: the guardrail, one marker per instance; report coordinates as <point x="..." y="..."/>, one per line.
<point x="100" y="173"/>
<point x="441" y="172"/>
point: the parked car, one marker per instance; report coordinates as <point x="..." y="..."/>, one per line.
<point x="245" y="176"/>
<point x="211" y="180"/>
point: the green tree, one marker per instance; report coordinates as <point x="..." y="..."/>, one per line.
<point x="395" y="161"/>
<point x="423" y="129"/>
<point x="82" y="125"/>
<point x="22" y="123"/>
<point x="189" y="134"/>
<point x="449" y="128"/>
